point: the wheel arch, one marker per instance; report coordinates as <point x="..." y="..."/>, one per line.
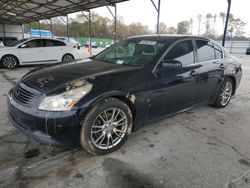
<point x="126" y="98"/>
<point x="67" y="54"/>
<point x="234" y="82"/>
<point x="18" y="61"/>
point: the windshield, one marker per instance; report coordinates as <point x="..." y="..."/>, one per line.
<point x="134" y="52"/>
<point x="15" y="43"/>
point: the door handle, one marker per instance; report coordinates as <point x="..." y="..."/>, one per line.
<point x="193" y="73"/>
<point x="222" y="66"/>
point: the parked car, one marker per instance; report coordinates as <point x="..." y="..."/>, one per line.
<point x="70" y="40"/>
<point x="97" y="102"/>
<point x="8" y="41"/>
<point x="37" y="51"/>
<point x="248" y="51"/>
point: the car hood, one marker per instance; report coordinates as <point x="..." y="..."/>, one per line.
<point x="53" y="78"/>
<point x="3" y="48"/>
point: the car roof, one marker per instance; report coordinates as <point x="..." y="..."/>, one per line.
<point x="168" y="36"/>
<point x="31" y="38"/>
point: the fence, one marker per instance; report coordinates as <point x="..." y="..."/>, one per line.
<point x="236" y="47"/>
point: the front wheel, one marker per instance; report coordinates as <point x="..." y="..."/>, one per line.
<point x="9" y="61"/>
<point x="68" y="58"/>
<point x="225" y="94"/>
<point x="106" y="127"/>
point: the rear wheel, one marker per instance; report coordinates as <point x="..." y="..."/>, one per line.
<point x="9" y="62"/>
<point x="225" y="94"/>
<point x="106" y="127"/>
<point x="68" y="58"/>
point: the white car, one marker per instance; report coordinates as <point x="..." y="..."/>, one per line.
<point x="38" y="51"/>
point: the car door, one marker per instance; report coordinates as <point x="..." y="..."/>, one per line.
<point x="174" y="87"/>
<point x="209" y="57"/>
<point x="54" y="49"/>
<point x="31" y="52"/>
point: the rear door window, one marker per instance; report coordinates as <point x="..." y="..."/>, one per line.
<point x="50" y="43"/>
<point x="205" y="51"/>
<point x="183" y="52"/>
<point x="34" y="43"/>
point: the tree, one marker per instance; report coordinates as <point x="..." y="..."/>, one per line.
<point x="183" y="27"/>
<point x="199" y="17"/>
<point x="214" y="24"/>
<point x="191" y="21"/>
<point x="172" y="30"/>
<point x="163" y="28"/>
<point x="236" y="27"/>
<point x="223" y="18"/>
<point x="137" y="29"/>
<point x="208" y="24"/>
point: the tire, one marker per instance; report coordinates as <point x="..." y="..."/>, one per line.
<point x="99" y="136"/>
<point x="68" y="58"/>
<point x="224" y="94"/>
<point x="9" y="62"/>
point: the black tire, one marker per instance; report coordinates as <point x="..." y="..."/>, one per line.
<point x="9" y="62"/>
<point x="67" y="58"/>
<point x="221" y="102"/>
<point x="89" y="138"/>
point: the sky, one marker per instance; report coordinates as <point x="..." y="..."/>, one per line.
<point x="174" y="11"/>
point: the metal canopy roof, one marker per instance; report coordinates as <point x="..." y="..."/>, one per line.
<point x="26" y="11"/>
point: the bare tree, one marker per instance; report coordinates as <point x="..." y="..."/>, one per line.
<point x="214" y="24"/>
<point x="163" y="28"/>
<point x="199" y="16"/>
<point x="183" y="27"/>
<point x="172" y="30"/>
<point x="208" y="24"/>
<point x="223" y="17"/>
<point x="191" y="21"/>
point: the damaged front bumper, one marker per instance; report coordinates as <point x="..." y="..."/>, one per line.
<point x="50" y="128"/>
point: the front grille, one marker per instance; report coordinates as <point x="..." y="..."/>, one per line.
<point x="25" y="95"/>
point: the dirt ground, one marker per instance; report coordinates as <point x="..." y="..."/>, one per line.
<point x="204" y="147"/>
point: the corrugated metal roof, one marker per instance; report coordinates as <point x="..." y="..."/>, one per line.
<point x="26" y="11"/>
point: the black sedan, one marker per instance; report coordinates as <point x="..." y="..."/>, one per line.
<point x="97" y="102"/>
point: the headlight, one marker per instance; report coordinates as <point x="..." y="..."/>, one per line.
<point x="66" y="100"/>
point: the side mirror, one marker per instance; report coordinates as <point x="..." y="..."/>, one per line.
<point x="171" y="64"/>
<point x="24" y="46"/>
<point x="78" y="47"/>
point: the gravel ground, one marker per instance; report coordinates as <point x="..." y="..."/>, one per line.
<point x="204" y="147"/>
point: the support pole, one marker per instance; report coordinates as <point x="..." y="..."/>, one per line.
<point x="30" y="30"/>
<point x="158" y="17"/>
<point x="39" y="29"/>
<point x="4" y="33"/>
<point x="226" y="24"/>
<point x="90" y="35"/>
<point x="114" y="15"/>
<point x="158" y="9"/>
<point x="67" y="26"/>
<point x="22" y="30"/>
<point x="115" y="36"/>
<point x="51" y="27"/>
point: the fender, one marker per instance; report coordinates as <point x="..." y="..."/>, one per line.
<point x="139" y="109"/>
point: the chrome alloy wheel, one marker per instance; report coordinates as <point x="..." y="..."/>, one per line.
<point x="226" y="93"/>
<point x="9" y="62"/>
<point x="109" y="128"/>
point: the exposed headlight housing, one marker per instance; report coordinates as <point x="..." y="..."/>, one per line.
<point x="66" y="100"/>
